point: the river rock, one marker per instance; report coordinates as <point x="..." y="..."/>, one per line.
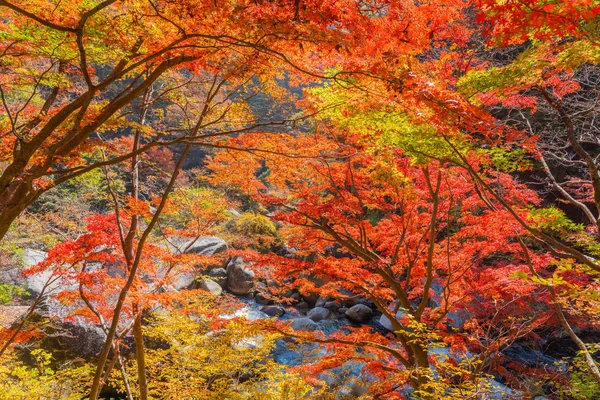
<point x="206" y="245"/>
<point x="211" y="286"/>
<point x="387" y="324"/>
<point x="318" y="314"/>
<point x="240" y="280"/>
<point x="311" y="299"/>
<point x="261" y="299"/>
<point x="183" y="280"/>
<point x="321" y="301"/>
<point x="273" y="311"/>
<point x="219" y="275"/>
<point x="359" y="313"/>
<point x="304" y="324"/>
<point x="333" y="306"/>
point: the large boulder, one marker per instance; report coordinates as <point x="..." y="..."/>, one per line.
<point x="204" y="245"/>
<point x="304" y="324"/>
<point x="36" y="283"/>
<point x="211" y="286"/>
<point x="318" y="314"/>
<point x="240" y="280"/>
<point x="207" y="246"/>
<point x="359" y="313"/>
<point x="183" y="280"/>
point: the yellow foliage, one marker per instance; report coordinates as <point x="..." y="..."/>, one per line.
<point x="198" y="355"/>
<point x="40" y="382"/>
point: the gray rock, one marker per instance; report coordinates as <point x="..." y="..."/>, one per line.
<point x="273" y="311"/>
<point x="240" y="280"/>
<point x="387" y="324"/>
<point x="261" y="299"/>
<point x="359" y="313"/>
<point x="208" y="245"/>
<point x="204" y="245"/>
<point x="303" y="305"/>
<point x="332" y="306"/>
<point x="321" y="301"/>
<point x="36" y="283"/>
<point x="318" y="314"/>
<point x="184" y="280"/>
<point x="304" y="324"/>
<point x="81" y="338"/>
<point x="219" y="275"/>
<point x="311" y="299"/>
<point x="295" y="297"/>
<point x="211" y="286"/>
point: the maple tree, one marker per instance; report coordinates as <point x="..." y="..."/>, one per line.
<point x="415" y="239"/>
<point x="398" y="182"/>
<point x="72" y="72"/>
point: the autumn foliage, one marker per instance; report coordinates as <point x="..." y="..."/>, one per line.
<point x="432" y="163"/>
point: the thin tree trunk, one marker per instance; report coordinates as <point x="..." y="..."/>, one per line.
<point x="140" y="356"/>
<point x="96" y="384"/>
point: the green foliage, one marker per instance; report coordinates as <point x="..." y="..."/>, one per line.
<point x="8" y="292"/>
<point x="527" y="67"/>
<point x="583" y="385"/>
<point x="554" y="220"/>
<point x="389" y="128"/>
<point x="508" y="160"/>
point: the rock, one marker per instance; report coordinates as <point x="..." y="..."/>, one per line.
<point x="261" y="299"/>
<point x="321" y="301"/>
<point x="311" y="299"/>
<point x="219" y="275"/>
<point x="528" y="357"/>
<point x="273" y="311"/>
<point x="332" y="306"/>
<point x="359" y="313"/>
<point x="206" y="245"/>
<point x="11" y="314"/>
<point x="184" y="280"/>
<point x="79" y="338"/>
<point x="295" y="297"/>
<point x="387" y="324"/>
<point x="458" y="318"/>
<point x="304" y="324"/>
<point x="240" y="280"/>
<point x="36" y="283"/>
<point x="318" y="314"/>
<point x="498" y="391"/>
<point x="302" y="305"/>
<point x="342" y="310"/>
<point x="211" y="286"/>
